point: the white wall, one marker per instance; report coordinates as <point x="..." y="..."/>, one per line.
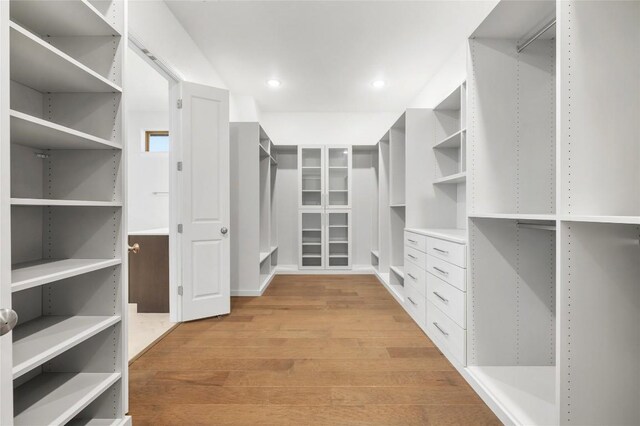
<point x="327" y="128"/>
<point x="156" y="27"/>
<point x="148" y="172"/>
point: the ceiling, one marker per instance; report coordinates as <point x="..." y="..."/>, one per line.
<point x="147" y="90"/>
<point x="327" y="53"/>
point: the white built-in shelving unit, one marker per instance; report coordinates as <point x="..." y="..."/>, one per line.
<point x="325" y="199"/>
<point x="254" y="169"/>
<point x="63" y="246"/>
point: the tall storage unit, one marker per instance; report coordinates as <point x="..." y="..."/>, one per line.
<point x="324" y="217"/>
<point x="63" y="254"/>
<point x="553" y="221"/>
<point x="253" y="175"/>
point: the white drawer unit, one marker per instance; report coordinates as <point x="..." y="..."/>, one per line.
<point x="416" y="257"/>
<point x="416" y="241"/>
<point x="451" y="252"/>
<point x="416" y="276"/>
<point x="448" y="299"/>
<point x="448" y="272"/>
<point x="449" y="336"/>
<point x="415" y="304"/>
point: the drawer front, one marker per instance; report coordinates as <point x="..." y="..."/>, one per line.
<point x="416" y="241"/>
<point x="454" y="275"/>
<point x="415" y="304"/>
<point x="416" y="276"/>
<point x="446" y="250"/>
<point x="446" y="334"/>
<point x="416" y="257"/>
<point x="448" y="299"/>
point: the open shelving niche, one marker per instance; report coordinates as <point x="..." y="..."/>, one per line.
<point x="512" y="291"/>
<point x="67" y="226"/>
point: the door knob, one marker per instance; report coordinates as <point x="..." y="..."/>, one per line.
<point x="135" y="248"/>
<point x="8" y="320"/>
<point x="224" y="230"/>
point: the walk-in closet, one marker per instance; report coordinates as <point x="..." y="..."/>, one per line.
<point x="394" y="213"/>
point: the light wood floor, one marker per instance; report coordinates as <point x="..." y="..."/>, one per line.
<point x="313" y="350"/>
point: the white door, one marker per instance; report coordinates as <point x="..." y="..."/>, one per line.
<point x="311" y="177"/>
<point x="338" y="186"/>
<point x="203" y="201"/>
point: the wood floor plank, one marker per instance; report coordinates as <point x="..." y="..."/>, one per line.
<point x="314" y="350"/>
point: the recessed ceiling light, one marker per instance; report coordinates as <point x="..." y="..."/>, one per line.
<point x="378" y="84"/>
<point x="273" y="83"/>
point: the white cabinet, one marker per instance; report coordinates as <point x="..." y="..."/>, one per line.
<point x="324" y="195"/>
<point x="312" y="239"/>
<point x="338" y="241"/>
<point x="325" y="239"/>
<point x="324" y="176"/>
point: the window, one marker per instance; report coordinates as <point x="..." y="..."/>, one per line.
<point x="156" y="141"/>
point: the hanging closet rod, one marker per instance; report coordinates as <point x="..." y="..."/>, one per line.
<point x="533" y="38"/>
<point x="541" y="226"/>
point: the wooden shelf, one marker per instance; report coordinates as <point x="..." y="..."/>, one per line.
<point x="453" y="141"/>
<point x="63" y="203"/>
<point x="56" y="398"/>
<point x="62" y="18"/>
<point x="37" y="64"/>
<point x="38" y="133"/>
<point x="398" y="270"/>
<point x="32" y="274"/>
<point x="452" y="179"/>
<point x="36" y="342"/>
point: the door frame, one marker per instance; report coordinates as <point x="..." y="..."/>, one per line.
<point x="174" y="78"/>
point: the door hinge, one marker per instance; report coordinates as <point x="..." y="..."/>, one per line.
<point x="179" y="166"/>
<point x="180" y="290"/>
<point x="179" y="228"/>
<point x="179" y="104"/>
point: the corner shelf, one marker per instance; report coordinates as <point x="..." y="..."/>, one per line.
<point x="451" y="179"/>
<point x="37" y="64"/>
<point x="38" y="133"/>
<point x="33" y="274"/>
<point x="55" y="398"/>
<point x="453" y="141"/>
<point x="71" y="18"/>
<point x="36" y="342"/>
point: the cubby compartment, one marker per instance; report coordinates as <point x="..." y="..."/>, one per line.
<point x="600" y="142"/>
<point x="65" y="177"/>
<point x="100" y="411"/>
<point x="60" y="315"/>
<point x="450" y="144"/>
<point x="56" y="392"/>
<point x="512" y="315"/>
<point x="600" y="343"/>
<point x="512" y="110"/>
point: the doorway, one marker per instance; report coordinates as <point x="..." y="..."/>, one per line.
<point x="149" y="141"/>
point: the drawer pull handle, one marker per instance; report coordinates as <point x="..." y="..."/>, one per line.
<point x="440" y="329"/>
<point x="412" y="241"/>
<point x="412" y="277"/>
<point x="445" y="300"/>
<point x="411" y="300"/>
<point x="440" y="250"/>
<point x="442" y="271"/>
<point x="412" y="256"/>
